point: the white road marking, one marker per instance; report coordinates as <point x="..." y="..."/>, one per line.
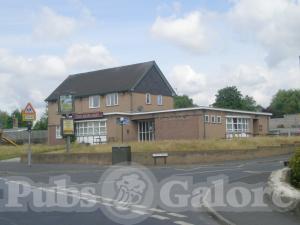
<point x="157" y="210"/>
<point x="139" y="206"/>
<point x="182" y="223"/>
<point x="107" y="204"/>
<point x="160" y="217"/>
<point x="139" y="212"/>
<point x="177" y="215"/>
<point x="207" y="171"/>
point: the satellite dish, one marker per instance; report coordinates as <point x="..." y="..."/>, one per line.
<point x="140" y="108"/>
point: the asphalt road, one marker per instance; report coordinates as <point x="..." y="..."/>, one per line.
<point x="254" y="172"/>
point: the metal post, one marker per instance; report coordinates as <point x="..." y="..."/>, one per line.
<point x="29" y="148"/>
<point x="68" y="143"/>
<point x="122" y="138"/>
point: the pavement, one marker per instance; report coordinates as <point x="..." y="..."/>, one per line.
<point x="250" y="172"/>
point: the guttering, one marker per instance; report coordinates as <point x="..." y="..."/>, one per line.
<point x="189" y="109"/>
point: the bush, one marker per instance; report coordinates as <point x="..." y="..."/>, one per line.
<point x="295" y="169"/>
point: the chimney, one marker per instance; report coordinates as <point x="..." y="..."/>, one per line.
<point x="15" y="122"/>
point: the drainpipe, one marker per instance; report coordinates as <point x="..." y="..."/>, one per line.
<point x="131" y="104"/>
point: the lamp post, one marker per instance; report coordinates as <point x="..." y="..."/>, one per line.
<point x="122" y="125"/>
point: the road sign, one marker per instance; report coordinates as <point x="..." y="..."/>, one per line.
<point x="28" y="114"/>
<point x="123" y="120"/>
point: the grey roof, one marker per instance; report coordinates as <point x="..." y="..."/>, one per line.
<point x="117" y="79"/>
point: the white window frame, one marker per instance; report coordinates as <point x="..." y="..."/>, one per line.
<point x="159" y="100"/>
<point x="92" y="102"/>
<point x="219" y="119"/>
<point x="87" y="128"/>
<point x="58" y="132"/>
<point x="237" y="125"/>
<point x="112" y="99"/>
<point x="213" y="119"/>
<point x="148" y="99"/>
<point x="206" y="118"/>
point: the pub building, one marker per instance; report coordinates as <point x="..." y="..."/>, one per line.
<point x="141" y="95"/>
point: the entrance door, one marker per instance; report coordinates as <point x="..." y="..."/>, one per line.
<point x="146" y="130"/>
<point x="255" y="127"/>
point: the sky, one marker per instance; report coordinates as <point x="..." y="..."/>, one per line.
<point x="200" y="45"/>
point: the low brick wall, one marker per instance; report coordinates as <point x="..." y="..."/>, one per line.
<point x="175" y="158"/>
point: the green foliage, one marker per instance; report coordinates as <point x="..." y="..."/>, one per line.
<point x="295" y="169"/>
<point x="183" y="101"/>
<point x="231" y="98"/>
<point x="285" y="102"/>
<point x="42" y="123"/>
<point x="6" y="120"/>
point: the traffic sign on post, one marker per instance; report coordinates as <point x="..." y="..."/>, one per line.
<point x="28" y="114"/>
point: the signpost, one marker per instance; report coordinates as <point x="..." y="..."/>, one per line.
<point x="29" y="115"/>
<point x="66" y="107"/>
<point x="123" y="121"/>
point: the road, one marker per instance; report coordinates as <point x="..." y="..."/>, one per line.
<point x="248" y="172"/>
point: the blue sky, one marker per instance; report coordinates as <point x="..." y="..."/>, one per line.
<point x="201" y="46"/>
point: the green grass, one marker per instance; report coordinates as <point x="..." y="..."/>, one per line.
<point x="191" y="145"/>
<point x="7" y="152"/>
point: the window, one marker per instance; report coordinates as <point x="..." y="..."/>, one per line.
<point x="146" y="131"/>
<point x="91" y="128"/>
<point x="159" y="100"/>
<point x="112" y="99"/>
<point x="94" y="101"/>
<point x="237" y="125"/>
<point x="206" y="118"/>
<point x="148" y="99"/>
<point x="219" y="119"/>
<point x="213" y="119"/>
<point x="58" y="132"/>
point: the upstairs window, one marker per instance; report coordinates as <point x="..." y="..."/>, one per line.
<point x="219" y="120"/>
<point x="112" y="99"/>
<point x="94" y="101"/>
<point x="148" y="99"/>
<point x="159" y="100"/>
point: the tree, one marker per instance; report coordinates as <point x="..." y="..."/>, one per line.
<point x="285" y="102"/>
<point x="231" y="98"/>
<point x="183" y="101"/>
<point x="248" y="103"/>
<point x="4" y="119"/>
<point x="42" y="123"/>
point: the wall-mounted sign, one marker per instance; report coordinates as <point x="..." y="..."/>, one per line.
<point x="67" y="127"/>
<point x="28" y="114"/>
<point x="66" y="104"/>
<point x="84" y="116"/>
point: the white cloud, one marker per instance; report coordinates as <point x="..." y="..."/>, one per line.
<point x="259" y="82"/>
<point x="52" y="26"/>
<point x="82" y="56"/>
<point x="31" y="79"/>
<point x="189" y="32"/>
<point x="273" y="23"/>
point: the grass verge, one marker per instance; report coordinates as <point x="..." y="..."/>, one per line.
<point x="191" y="145"/>
<point x="7" y="152"/>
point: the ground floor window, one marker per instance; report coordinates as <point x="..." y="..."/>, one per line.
<point x="58" y="132"/>
<point x="146" y="130"/>
<point x="92" y="132"/>
<point x="237" y="127"/>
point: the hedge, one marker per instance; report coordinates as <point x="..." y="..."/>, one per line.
<point x="295" y="169"/>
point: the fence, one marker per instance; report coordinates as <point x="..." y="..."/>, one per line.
<point x="20" y="136"/>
